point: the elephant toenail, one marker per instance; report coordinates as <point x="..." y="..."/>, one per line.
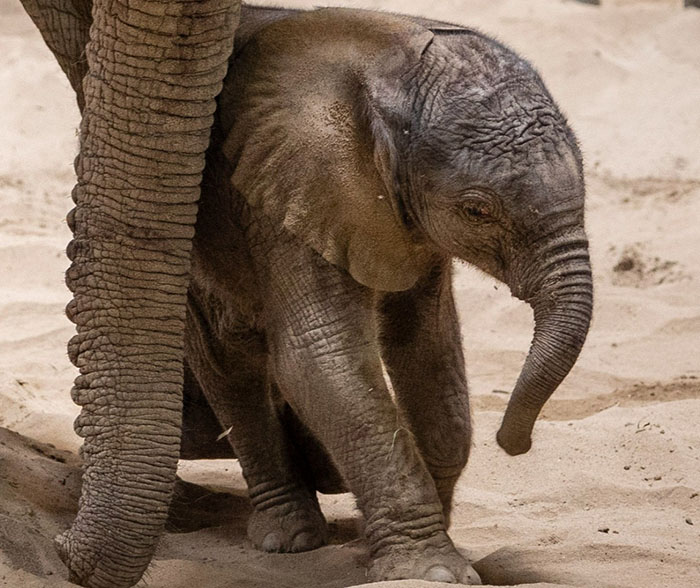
<point x="272" y="542"/>
<point x="303" y="542"/>
<point x="440" y="574"/>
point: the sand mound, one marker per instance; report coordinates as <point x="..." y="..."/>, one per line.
<point x="39" y="487"/>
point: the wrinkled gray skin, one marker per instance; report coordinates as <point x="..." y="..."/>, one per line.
<point x="146" y="75"/>
<point x="355" y="155"/>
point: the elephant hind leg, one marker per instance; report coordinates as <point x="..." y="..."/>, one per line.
<point x="229" y="361"/>
<point x="201" y="430"/>
<point x="312" y="458"/>
<point x="201" y="439"/>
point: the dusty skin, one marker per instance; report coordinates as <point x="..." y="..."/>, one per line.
<point x="608" y="496"/>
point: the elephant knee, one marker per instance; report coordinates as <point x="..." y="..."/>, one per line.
<point x="288" y="364"/>
<point x="447" y="453"/>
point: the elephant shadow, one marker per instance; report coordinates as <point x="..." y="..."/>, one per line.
<point x="195" y="508"/>
<point x="511" y="567"/>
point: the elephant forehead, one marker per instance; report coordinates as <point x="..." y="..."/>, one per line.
<point x="501" y="125"/>
<point x="487" y="102"/>
<point x="510" y="156"/>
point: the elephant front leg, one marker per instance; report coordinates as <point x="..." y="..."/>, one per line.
<point x="422" y="351"/>
<point x="230" y="365"/>
<point x="324" y="343"/>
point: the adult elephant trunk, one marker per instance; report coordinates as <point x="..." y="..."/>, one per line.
<point x="562" y="306"/>
<point x="154" y="69"/>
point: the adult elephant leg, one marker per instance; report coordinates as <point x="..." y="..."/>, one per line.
<point x="422" y="350"/>
<point x="65" y="27"/>
<point x="230" y="363"/>
<point x="323" y="338"/>
<point x="154" y="70"/>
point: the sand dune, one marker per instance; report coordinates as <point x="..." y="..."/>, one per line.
<point x="608" y="496"/>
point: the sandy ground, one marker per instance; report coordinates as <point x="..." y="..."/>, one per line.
<point x="609" y="494"/>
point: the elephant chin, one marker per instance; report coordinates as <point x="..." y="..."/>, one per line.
<point x="562" y="318"/>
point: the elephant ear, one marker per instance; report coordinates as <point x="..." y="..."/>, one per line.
<point x="311" y="141"/>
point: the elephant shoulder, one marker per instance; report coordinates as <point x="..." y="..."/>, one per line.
<point x="256" y="18"/>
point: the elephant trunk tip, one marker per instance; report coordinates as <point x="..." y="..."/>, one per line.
<point x="515" y="434"/>
<point x="63" y="544"/>
<point x="512" y="442"/>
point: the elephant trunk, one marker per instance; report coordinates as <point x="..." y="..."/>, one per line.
<point x="562" y="306"/>
<point x="153" y="75"/>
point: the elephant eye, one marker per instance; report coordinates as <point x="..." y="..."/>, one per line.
<point x="478" y="209"/>
<point x="477" y="212"/>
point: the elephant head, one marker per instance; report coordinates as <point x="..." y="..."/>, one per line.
<point x="444" y="143"/>
<point x="146" y="74"/>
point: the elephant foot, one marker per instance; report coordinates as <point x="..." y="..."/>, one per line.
<point x="434" y="563"/>
<point x="292" y="526"/>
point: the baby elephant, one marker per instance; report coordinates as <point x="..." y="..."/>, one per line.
<point x="355" y="155"/>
